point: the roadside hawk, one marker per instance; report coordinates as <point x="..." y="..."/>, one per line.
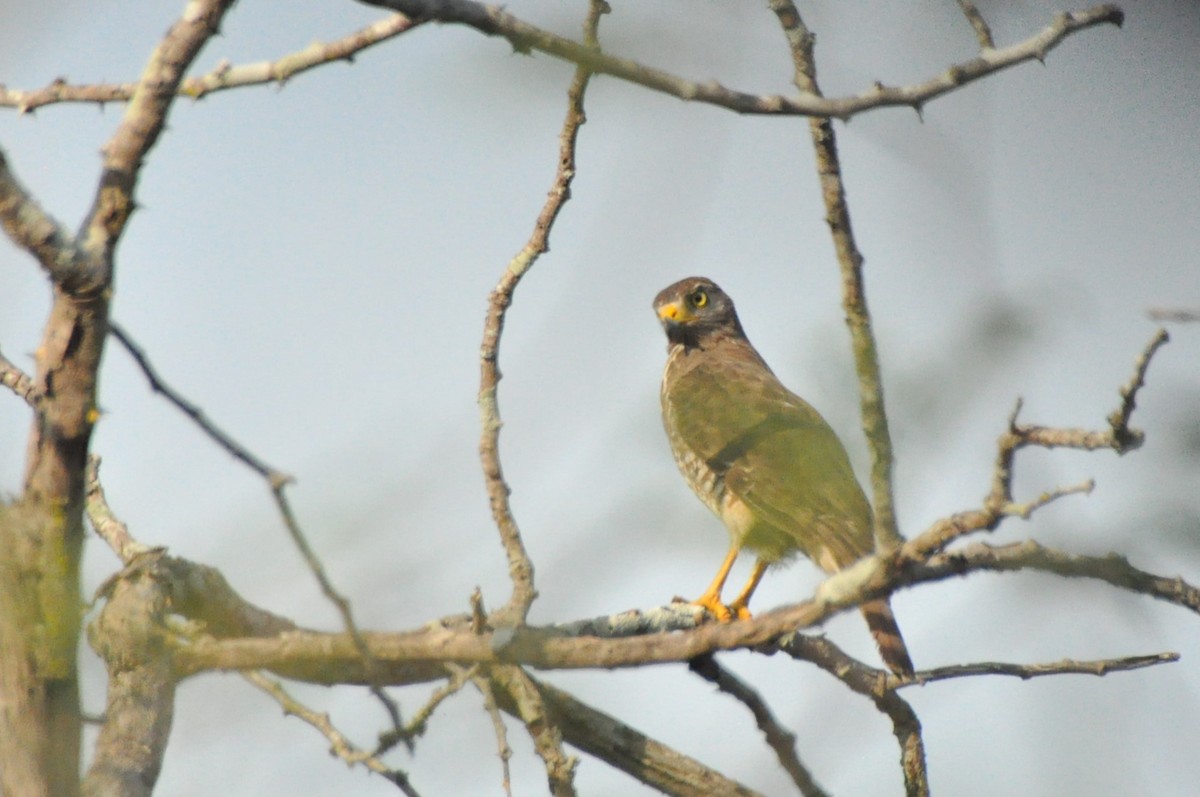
<point x="759" y="456"/>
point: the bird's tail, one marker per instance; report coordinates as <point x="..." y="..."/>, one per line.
<point x="883" y="627"/>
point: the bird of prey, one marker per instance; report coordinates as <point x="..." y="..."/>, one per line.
<point x="760" y="457"/>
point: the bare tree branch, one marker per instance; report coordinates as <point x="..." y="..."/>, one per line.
<point x="1000" y="503"/>
<point x="520" y="567"/>
<point x="1098" y="667"/>
<point x="68" y="359"/>
<point x="225" y="76"/>
<point x="143" y="121"/>
<point x="530" y="646"/>
<point x="238" y="451"/>
<point x="1124" y="438"/>
<point x="34" y="230"/>
<point x="108" y="527"/>
<point x="493" y="710"/>
<point x="278" y="482"/>
<point x="630" y="751"/>
<point x="1031" y="555"/>
<point x="340" y="602"/>
<point x="197" y="592"/>
<point x="140" y="700"/>
<point x="419" y="722"/>
<point x="873" y="684"/>
<point x="340" y="746"/>
<point x="1179" y="315"/>
<point x="983" y="33"/>
<point x="524" y="37"/>
<point x="780" y="739"/>
<point x="19" y="382"/>
<point x="850" y="261"/>
<point x="526" y="698"/>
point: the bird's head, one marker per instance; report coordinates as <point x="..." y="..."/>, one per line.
<point x="695" y="310"/>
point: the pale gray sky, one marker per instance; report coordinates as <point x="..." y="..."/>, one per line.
<point x="311" y="266"/>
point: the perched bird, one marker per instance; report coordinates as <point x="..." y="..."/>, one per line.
<point x="759" y="456"/>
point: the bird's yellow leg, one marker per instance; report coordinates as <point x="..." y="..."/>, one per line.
<point x="711" y="599"/>
<point x="740" y="606"/>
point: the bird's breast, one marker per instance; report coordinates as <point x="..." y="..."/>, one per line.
<point x="706" y="482"/>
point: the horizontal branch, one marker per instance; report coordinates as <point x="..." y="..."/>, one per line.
<point x="408" y="657"/>
<point x="1030" y="555"/>
<point x="225" y="76"/>
<point x="524" y="37"/>
<point x="1098" y="667"/>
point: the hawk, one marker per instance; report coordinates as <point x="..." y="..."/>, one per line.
<point x="760" y="457"/>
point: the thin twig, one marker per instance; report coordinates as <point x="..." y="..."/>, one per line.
<point x="828" y="656"/>
<point x="624" y="747"/>
<point x="493" y="20"/>
<point x="1124" y="438"/>
<point x="1000" y="503"/>
<point x="374" y="679"/>
<point x="779" y="738"/>
<point x="1113" y="568"/>
<point x="520" y="566"/>
<point x="419" y="721"/>
<point x="871" y="683"/>
<point x="503" y="750"/>
<point x="19" y="382"/>
<point x="1178" y="315"/>
<point x="225" y="76"/>
<point x="983" y="33"/>
<point x="342" y="747"/>
<point x="157" y="384"/>
<point x="105" y="522"/>
<point x="546" y="736"/>
<point x="1098" y="667"/>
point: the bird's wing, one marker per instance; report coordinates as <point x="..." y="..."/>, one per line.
<point x="778" y="456"/>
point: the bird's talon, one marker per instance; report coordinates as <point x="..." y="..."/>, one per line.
<point x="715" y="608"/>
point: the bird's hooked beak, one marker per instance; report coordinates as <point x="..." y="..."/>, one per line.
<point x="674" y="314"/>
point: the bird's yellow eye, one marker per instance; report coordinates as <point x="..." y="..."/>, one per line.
<point x="699" y="299"/>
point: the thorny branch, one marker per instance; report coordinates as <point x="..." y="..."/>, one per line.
<point x="493" y="20"/>
<point x="983" y="33"/>
<point x="224" y="76"/>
